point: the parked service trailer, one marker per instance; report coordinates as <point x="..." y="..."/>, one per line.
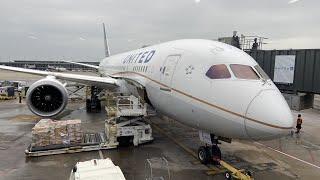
<point x="7" y="91"/>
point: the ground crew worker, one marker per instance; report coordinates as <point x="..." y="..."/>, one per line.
<point x="255" y="44"/>
<point x="235" y="40"/>
<point x="20" y="97"/>
<point x="299" y="123"/>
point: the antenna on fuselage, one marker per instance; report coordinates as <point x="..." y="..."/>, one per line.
<point x="106" y="44"/>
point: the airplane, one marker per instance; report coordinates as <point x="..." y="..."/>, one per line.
<point x="208" y="85"/>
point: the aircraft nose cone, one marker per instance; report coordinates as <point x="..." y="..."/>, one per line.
<point x="268" y="116"/>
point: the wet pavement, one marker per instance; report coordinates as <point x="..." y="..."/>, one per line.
<point x="263" y="158"/>
<point x="16" y="123"/>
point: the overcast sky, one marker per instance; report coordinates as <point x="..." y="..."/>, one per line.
<point x="56" y="29"/>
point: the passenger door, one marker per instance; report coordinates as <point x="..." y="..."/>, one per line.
<point x="167" y="71"/>
<point x="166" y="97"/>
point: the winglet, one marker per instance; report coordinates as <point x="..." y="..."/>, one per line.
<point x="106" y="45"/>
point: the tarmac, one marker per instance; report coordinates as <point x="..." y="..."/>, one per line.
<point x="291" y="157"/>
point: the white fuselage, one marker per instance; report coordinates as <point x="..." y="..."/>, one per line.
<point x="174" y="76"/>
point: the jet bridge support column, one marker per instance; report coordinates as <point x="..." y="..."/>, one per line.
<point x="93" y="103"/>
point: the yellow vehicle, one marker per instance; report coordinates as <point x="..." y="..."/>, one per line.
<point x="231" y="172"/>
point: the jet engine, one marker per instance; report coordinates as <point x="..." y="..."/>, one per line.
<point x="47" y="97"/>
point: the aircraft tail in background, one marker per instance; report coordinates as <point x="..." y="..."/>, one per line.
<point x="106" y="44"/>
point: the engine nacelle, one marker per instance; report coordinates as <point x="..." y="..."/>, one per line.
<point x="47" y="97"/>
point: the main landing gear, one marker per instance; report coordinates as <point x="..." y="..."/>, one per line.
<point x="210" y="153"/>
<point x="93" y="103"/>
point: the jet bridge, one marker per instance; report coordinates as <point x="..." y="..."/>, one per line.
<point x="296" y="72"/>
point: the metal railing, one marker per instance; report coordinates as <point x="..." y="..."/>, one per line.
<point x="157" y="168"/>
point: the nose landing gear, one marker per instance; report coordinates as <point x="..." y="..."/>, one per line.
<point x="210" y="153"/>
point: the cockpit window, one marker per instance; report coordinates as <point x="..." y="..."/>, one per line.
<point x="243" y="71"/>
<point x="261" y="72"/>
<point x="218" y="72"/>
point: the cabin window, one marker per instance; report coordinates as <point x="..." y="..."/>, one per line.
<point x="261" y="72"/>
<point x="218" y="72"/>
<point x="243" y="71"/>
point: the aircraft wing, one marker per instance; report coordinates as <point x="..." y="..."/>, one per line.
<point x="104" y="82"/>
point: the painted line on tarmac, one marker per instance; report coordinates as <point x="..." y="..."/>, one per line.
<point x="288" y="155"/>
<point x="311" y="155"/>
<point x="175" y="141"/>
<point x="100" y="154"/>
<point x="311" y="144"/>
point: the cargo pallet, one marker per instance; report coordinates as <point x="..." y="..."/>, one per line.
<point x="91" y="142"/>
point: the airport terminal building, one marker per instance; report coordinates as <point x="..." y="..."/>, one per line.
<point x="47" y="65"/>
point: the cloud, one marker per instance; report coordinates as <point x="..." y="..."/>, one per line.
<point x="293" y="1"/>
<point x="32" y="37"/>
<point x="130" y="24"/>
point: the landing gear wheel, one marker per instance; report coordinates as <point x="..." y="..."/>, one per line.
<point x="88" y="105"/>
<point x="228" y="175"/>
<point x="216" y="154"/>
<point x="249" y="173"/>
<point x="204" y="154"/>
